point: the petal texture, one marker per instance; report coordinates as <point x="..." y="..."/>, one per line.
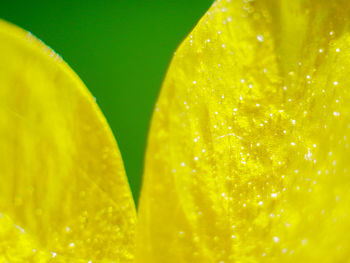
<point x="248" y="154"/>
<point x="64" y="196"/>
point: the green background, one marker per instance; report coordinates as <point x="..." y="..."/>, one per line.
<point x="120" y="49"/>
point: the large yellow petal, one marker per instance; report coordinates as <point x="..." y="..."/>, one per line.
<point x="248" y="154"/>
<point x="64" y="196"/>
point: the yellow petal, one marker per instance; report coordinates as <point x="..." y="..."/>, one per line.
<point x="64" y="196"/>
<point x="248" y="154"/>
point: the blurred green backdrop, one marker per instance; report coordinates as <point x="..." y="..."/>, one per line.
<point x="120" y="49"/>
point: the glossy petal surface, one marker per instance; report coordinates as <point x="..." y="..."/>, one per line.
<point x="248" y="155"/>
<point x="64" y="196"/>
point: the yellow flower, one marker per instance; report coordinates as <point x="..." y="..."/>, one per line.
<point x="247" y="158"/>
